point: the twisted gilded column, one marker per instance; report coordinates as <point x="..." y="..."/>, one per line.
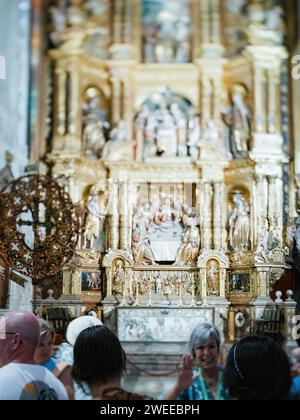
<point x="207" y="220"/>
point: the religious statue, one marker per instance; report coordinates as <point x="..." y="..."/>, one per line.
<point x="118" y="147"/>
<point x="213" y="278"/>
<point x="267" y="26"/>
<point x="97" y="208"/>
<point x="182" y="126"/>
<point x="239" y="224"/>
<point x="167" y="215"/>
<point x="94" y="126"/>
<point x="189" y="251"/>
<point x="143" y="252"/>
<point x="58" y="24"/>
<point x="118" y="282"/>
<point x="238" y="119"/>
<point x="194" y="136"/>
<point x="166" y="133"/>
<point x="182" y="38"/>
<point x="143" y="217"/>
<point x="75" y="14"/>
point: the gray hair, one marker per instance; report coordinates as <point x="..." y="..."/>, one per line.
<point x="201" y="335"/>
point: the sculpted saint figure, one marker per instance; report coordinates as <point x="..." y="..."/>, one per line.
<point x="93" y="138"/>
<point x="238" y="118"/>
<point x="239" y="224"/>
<point x="213" y="278"/>
<point x="97" y="208"/>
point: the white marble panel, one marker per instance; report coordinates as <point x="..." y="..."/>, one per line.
<point x="160" y="325"/>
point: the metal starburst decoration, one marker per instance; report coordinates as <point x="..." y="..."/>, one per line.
<point x="39" y="227"/>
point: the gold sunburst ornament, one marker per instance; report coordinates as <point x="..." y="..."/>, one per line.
<point x="39" y="227"/>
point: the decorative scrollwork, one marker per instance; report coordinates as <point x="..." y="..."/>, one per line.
<point x="39" y="227"/>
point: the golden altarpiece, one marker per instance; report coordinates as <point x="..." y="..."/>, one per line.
<point x="169" y="135"/>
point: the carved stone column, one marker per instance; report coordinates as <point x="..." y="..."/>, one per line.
<point x="211" y="77"/>
<point x="218" y="216"/>
<point x="207" y="219"/>
<point x="124" y="216"/>
<point x="261" y="205"/>
<point x="210" y="22"/>
<point x="67" y="106"/>
<point x="114" y="215"/>
<point x="116" y="99"/>
<point x="117" y="22"/>
<point x="266" y="63"/>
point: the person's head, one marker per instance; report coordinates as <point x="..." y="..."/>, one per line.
<point x="19" y="336"/>
<point x="295" y="361"/>
<point x="44" y="349"/>
<point x="258" y="369"/>
<point x="78" y="325"/>
<point x="204" y="346"/>
<point x="98" y="357"/>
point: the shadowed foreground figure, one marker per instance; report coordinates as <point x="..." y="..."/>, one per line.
<point x="99" y="365"/>
<point x="258" y="369"/>
<point x="20" y="377"/>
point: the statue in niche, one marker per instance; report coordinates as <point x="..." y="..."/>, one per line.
<point x="165" y="41"/>
<point x="238" y="119"/>
<point x="267" y="26"/>
<point x="273" y="238"/>
<point x="166" y="134"/>
<point x="94" y="126"/>
<point x="142" y="250"/>
<point x="118" y="147"/>
<point x="189" y="251"/>
<point x="239" y="224"/>
<point x="182" y="37"/>
<point x="119" y="278"/>
<point x="6" y="174"/>
<point x="213" y="278"/>
<point x="58" y="24"/>
<point x="149" y="44"/>
<point x="97" y="208"/>
<point x="75" y="15"/>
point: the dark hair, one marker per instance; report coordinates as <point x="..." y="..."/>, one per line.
<point x="98" y="356"/>
<point x="258" y="369"/>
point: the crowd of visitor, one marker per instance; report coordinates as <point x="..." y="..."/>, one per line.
<point x="92" y="365"/>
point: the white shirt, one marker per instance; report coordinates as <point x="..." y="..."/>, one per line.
<point x="29" y="382"/>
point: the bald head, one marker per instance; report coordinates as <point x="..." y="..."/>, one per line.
<point x="19" y="337"/>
